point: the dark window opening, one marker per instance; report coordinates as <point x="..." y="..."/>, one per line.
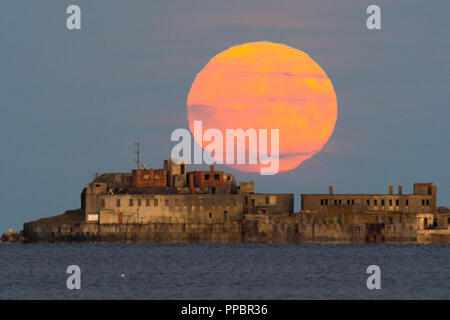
<point x="207" y="176"/>
<point x="348" y="201"/>
<point x="375" y="202"/>
<point x="407" y="202"/>
<point x="390" y="202"/>
<point x="217" y="176"/>
<point x="210" y="215"/>
<point x="353" y="201"/>
<point x="253" y="202"/>
<point x="267" y="200"/>
<point x="321" y="202"/>
<point x="397" y="202"/>
<point x="428" y="202"/>
<point x="182" y="169"/>
<point x="382" y="202"/>
<point x="368" y="202"/>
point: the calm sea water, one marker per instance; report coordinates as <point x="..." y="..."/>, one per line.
<point x="232" y="271"/>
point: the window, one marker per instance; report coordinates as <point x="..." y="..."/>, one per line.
<point x="147" y="202"/>
<point x="368" y="202"/>
<point x="390" y="202"/>
<point x="210" y="215"/>
<point x="326" y="202"/>
<point x="428" y="202"/>
<point x="217" y="176"/>
<point x="102" y="203"/>
<point x="340" y="201"/>
<point x="155" y="202"/>
<point x="166" y="202"/>
<point x="321" y="202"/>
<point x="118" y="203"/>
<point x="182" y="169"/>
<point x="397" y="202"/>
<point x="131" y="202"/>
<point x="375" y="202"/>
<point x="406" y="202"/>
<point x="382" y="202"/>
<point x="448" y="220"/>
<point x="139" y="202"/>
<point x="335" y="201"/>
<point x="423" y="202"/>
<point x="348" y="201"/>
<point x="267" y="200"/>
<point x="353" y="201"/>
<point x="207" y="176"/>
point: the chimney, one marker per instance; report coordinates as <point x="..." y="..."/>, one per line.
<point x="330" y="189"/>
<point x="400" y="191"/>
<point x="391" y="189"/>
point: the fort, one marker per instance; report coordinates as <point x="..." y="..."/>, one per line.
<point x="173" y="205"/>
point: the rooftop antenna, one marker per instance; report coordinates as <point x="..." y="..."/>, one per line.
<point x="136" y="143"/>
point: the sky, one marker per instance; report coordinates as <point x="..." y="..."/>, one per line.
<point x="73" y="102"/>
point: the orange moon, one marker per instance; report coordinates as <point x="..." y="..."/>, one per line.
<point x="264" y="85"/>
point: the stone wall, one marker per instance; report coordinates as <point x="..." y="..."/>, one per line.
<point x="334" y="227"/>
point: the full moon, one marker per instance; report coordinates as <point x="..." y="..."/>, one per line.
<point x="264" y="85"/>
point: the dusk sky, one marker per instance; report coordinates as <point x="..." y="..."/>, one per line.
<point x="73" y="102"/>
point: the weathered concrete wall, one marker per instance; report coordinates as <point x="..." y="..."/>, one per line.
<point x="333" y="227"/>
<point x="156" y="208"/>
<point x="392" y="202"/>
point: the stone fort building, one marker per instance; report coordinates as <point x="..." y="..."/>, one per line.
<point x="171" y="205"/>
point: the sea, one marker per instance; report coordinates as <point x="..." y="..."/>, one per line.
<point x="224" y="271"/>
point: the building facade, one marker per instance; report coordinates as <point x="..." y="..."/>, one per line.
<point x="173" y="195"/>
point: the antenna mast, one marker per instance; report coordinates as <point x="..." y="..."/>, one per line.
<point x="136" y="143"/>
